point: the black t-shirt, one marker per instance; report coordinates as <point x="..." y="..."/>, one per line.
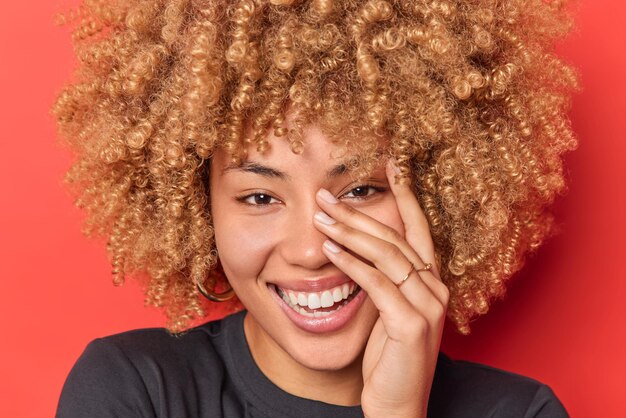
<point x="209" y="372"/>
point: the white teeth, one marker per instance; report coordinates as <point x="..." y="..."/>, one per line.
<point x="318" y="314"/>
<point x="314" y="301"/>
<point x="337" y="295"/>
<point x="302" y="299"/>
<point x="327" y="299"/>
<point x="293" y="298"/>
<point x="345" y="290"/>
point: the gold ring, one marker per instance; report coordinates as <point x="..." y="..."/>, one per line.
<point x="407" y="275"/>
<point x="427" y="267"/>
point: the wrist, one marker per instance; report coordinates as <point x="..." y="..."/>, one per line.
<point x="395" y="413"/>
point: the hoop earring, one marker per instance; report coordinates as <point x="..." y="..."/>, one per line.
<point x="215" y="297"/>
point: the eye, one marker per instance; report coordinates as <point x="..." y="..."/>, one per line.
<point x="363" y="191"/>
<point x="257" y="199"/>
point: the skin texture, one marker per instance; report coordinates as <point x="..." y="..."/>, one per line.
<point x="281" y="238"/>
<point x="473" y="106"/>
<point x="470" y="96"/>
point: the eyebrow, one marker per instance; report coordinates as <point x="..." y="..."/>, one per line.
<point x="272" y="173"/>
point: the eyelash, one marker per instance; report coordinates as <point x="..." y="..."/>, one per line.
<point x="377" y="189"/>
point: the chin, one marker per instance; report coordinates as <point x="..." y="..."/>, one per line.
<point x="321" y="351"/>
<point x="328" y="356"/>
<point x="333" y="351"/>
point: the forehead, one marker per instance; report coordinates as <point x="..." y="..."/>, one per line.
<point x="318" y="150"/>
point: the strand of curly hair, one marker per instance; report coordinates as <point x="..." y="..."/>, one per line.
<point x="472" y="99"/>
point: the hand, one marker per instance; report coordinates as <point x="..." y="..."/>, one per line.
<point x="401" y="353"/>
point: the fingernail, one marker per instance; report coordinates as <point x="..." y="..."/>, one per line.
<point x="330" y="246"/>
<point x="324" y="218"/>
<point x="327" y="196"/>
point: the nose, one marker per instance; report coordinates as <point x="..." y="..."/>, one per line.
<point x="301" y="244"/>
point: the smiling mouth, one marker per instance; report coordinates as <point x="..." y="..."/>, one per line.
<point x="318" y="304"/>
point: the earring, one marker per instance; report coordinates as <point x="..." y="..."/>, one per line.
<point x="215" y="297"/>
<point x="217" y="273"/>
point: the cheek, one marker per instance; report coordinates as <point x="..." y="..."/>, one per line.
<point x="243" y="244"/>
<point x="387" y="214"/>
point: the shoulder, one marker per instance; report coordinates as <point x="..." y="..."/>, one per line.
<point x="129" y="373"/>
<point x="145" y="349"/>
<point x="156" y="344"/>
<point x="463" y="388"/>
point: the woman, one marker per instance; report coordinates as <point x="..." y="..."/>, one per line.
<point x="353" y="172"/>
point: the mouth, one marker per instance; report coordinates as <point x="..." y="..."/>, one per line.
<point x="323" y="311"/>
<point x="318" y="304"/>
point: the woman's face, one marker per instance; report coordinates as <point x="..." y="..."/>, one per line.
<point x="263" y="218"/>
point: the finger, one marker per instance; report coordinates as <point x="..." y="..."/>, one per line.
<point x="385" y="256"/>
<point x="417" y="229"/>
<point x="349" y="216"/>
<point x="397" y="313"/>
<point x="359" y="220"/>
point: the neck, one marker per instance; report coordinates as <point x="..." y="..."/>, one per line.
<point x="337" y="387"/>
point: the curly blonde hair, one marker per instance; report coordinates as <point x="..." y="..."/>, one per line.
<point x="469" y="94"/>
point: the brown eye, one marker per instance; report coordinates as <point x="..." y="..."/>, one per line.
<point x="360" y="191"/>
<point x="257" y="199"/>
<point x="363" y="192"/>
<point x="262" y="199"/>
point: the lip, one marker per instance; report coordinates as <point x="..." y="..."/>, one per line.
<point x="329" y="323"/>
<point x="313" y="285"/>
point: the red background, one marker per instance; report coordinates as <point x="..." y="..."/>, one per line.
<point x="562" y="322"/>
